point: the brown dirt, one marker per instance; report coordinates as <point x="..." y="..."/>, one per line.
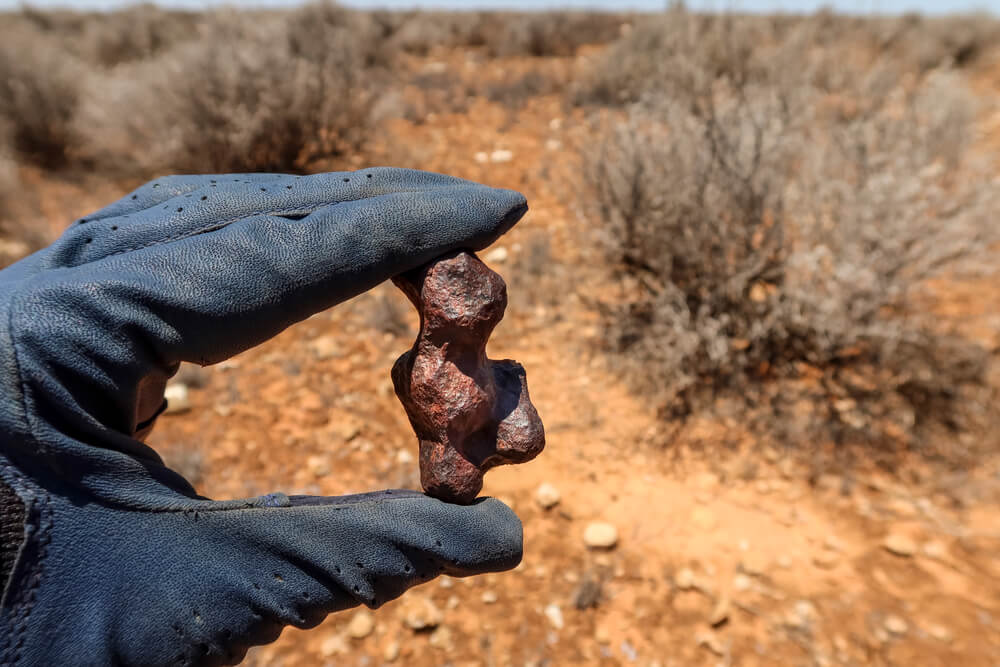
<point x="798" y="570"/>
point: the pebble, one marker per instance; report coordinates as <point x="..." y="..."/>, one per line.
<point x="600" y="535"/>
<point x="720" y="612"/>
<point x="501" y="155"/>
<point x="710" y="641"/>
<point x="441" y="639"/>
<point x="936" y="550"/>
<point x="178" y="400"/>
<point x="404" y="457"/>
<point x="326" y="347"/>
<point x="684" y="579"/>
<point x="895" y="625"/>
<point x="335" y="645"/>
<point x="940" y="633"/>
<point x="555" y="616"/>
<point x="553" y="145"/>
<point x="900" y="545"/>
<point x="802" y="614"/>
<point x="742" y="582"/>
<point x="489" y="597"/>
<point x="753" y="564"/>
<point x="391" y="652"/>
<point x="481" y="157"/>
<point x="547" y="496"/>
<point x="497" y="256"/>
<point x="318" y="465"/>
<point x="361" y="625"/>
<point x="826" y="559"/>
<point x="420" y="613"/>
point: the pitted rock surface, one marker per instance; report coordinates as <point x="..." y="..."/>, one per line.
<point x="470" y="413"/>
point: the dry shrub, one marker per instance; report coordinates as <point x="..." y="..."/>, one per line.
<point x="549" y="34"/>
<point x="774" y="239"/>
<point x="18" y="236"/>
<point x="39" y="96"/>
<point x="10" y="185"/>
<point x="111" y="38"/>
<point x="506" y="34"/>
<point x="257" y="92"/>
<point x="421" y="33"/>
<point x="638" y="62"/>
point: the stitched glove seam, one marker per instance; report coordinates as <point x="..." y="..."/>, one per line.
<point x="245" y="505"/>
<point x="216" y="225"/>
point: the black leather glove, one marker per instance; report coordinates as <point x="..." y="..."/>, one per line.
<point x="109" y="557"/>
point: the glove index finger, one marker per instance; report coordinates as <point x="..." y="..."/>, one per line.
<point x="211" y="295"/>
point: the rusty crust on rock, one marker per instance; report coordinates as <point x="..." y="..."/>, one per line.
<point x="470" y="413"/>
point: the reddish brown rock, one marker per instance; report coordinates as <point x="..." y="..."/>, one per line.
<point x="470" y="413"/>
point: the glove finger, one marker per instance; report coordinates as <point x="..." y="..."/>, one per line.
<point x="208" y="297"/>
<point x="201" y="588"/>
<point x="198" y="204"/>
<point x="160" y="190"/>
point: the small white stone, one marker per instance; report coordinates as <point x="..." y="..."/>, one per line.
<point x="420" y="613"/>
<point x="326" y="347"/>
<point x="391" y="652"/>
<point x="900" y="545"/>
<point x="489" y="597"/>
<point x="553" y="145"/>
<point x="600" y="535"/>
<point x="481" y="157"/>
<point x="361" y="625"/>
<point x="742" y="582"/>
<point x="318" y="465"/>
<point x="441" y="639"/>
<point x="178" y="400"/>
<point x="404" y="457"/>
<point x="501" y="155"/>
<point x="335" y="645"/>
<point x="555" y="616"/>
<point x="940" y="633"/>
<point x="684" y="579"/>
<point x="547" y="496"/>
<point x="720" y="612"/>
<point x="936" y="550"/>
<point x="710" y="641"/>
<point x="497" y="255"/>
<point x="895" y="625"/>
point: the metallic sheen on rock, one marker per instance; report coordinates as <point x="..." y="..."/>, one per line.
<point x="470" y="413"/>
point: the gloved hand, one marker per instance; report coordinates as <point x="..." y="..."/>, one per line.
<point x="107" y="556"/>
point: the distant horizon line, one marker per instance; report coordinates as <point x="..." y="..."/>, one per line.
<point x="640" y="7"/>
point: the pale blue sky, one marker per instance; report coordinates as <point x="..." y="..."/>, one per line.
<point x="853" y="6"/>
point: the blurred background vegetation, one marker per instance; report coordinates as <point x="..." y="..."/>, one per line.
<point x="771" y="193"/>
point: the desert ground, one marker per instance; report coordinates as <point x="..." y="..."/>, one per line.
<point x="738" y="539"/>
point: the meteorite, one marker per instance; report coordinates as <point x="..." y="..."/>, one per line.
<point x="470" y="413"/>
